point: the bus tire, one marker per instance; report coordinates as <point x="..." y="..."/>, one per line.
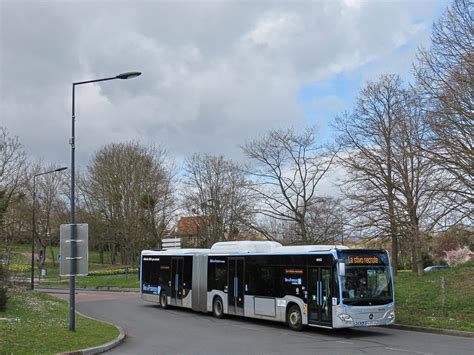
<point x="218" y="308"/>
<point x="294" y="318"/>
<point x="163" y="300"/>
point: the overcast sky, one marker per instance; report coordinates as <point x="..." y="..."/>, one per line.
<point x="214" y="73"/>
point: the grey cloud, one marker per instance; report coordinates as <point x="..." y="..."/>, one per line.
<point x="215" y="73"/>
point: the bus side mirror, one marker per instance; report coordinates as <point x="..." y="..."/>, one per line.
<point x="342" y="269"/>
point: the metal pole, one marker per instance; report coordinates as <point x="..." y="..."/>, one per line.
<point x="72" y="300"/>
<point x="33" y="236"/>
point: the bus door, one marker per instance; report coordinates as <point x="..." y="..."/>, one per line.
<point x="319" y="295"/>
<point x="235" y="282"/>
<point x="176" y="281"/>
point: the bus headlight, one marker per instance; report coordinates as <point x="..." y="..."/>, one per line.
<point x="391" y="315"/>
<point x="345" y="317"/>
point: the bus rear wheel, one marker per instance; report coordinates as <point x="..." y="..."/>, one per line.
<point x="163" y="300"/>
<point x="218" y="308"/>
<point x="294" y="319"/>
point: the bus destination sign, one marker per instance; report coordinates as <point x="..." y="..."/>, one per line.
<point x="363" y="260"/>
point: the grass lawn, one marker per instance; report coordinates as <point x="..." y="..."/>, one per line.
<point x="94" y="256"/>
<point x="418" y="299"/>
<point x="125" y="280"/>
<point x="18" y="258"/>
<point x="38" y="323"/>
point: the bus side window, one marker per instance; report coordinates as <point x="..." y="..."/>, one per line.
<point x="217" y="276"/>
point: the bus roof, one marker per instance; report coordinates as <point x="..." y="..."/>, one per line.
<point x="248" y="247"/>
<point x="267" y="247"/>
<point x="174" y="251"/>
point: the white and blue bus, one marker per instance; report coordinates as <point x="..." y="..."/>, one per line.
<point x="316" y="285"/>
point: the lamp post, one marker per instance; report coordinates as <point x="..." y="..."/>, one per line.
<point x="72" y="301"/>
<point x="33" y="229"/>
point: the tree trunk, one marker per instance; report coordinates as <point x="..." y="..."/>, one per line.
<point x="112" y="254"/>
<point x="418" y="251"/>
<point x="53" y="257"/>
<point x="133" y="255"/>
<point x="302" y="225"/>
<point x="414" y="258"/>
<point x="393" y="231"/>
<point x="394" y="255"/>
<point x="101" y="253"/>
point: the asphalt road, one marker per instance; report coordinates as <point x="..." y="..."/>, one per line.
<point x="152" y="330"/>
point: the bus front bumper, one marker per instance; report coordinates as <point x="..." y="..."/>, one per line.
<point x="364" y="316"/>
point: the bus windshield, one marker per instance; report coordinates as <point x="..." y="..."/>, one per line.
<point x="366" y="285"/>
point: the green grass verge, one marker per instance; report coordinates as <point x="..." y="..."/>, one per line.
<point x="52" y="269"/>
<point x="418" y="299"/>
<point x="94" y="256"/>
<point x="124" y="281"/>
<point x="36" y="323"/>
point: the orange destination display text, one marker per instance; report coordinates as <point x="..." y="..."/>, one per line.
<point x="363" y="260"/>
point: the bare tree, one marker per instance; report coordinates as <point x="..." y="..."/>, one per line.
<point x="12" y="177"/>
<point x="129" y="186"/>
<point x="444" y="77"/>
<point x="12" y="168"/>
<point x="367" y="136"/>
<point x="416" y="176"/>
<point x="51" y="209"/>
<point x="218" y="188"/>
<point x="325" y="220"/>
<point x="287" y="167"/>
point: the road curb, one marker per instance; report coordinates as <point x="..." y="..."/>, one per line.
<point x="100" y="348"/>
<point x="458" y="333"/>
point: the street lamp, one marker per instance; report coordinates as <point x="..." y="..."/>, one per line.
<point x="33" y="229"/>
<point x="72" y="301"/>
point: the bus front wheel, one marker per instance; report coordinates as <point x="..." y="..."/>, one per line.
<point x="294" y="319"/>
<point x="163" y="300"/>
<point x="218" y="308"/>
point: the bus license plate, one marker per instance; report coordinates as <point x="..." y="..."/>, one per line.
<point x="360" y="324"/>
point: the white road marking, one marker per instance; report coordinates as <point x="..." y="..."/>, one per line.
<point x="344" y="342"/>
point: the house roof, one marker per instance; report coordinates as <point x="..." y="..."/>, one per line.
<point x="190" y="226"/>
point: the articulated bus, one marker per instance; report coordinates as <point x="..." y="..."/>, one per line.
<point x="316" y="285"/>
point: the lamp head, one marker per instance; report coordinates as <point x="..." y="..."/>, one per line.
<point x="129" y="75"/>
<point x="61" y="169"/>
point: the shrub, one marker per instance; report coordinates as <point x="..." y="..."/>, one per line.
<point x="458" y="256"/>
<point x="19" y="267"/>
<point x="446" y="241"/>
<point x="108" y="272"/>
<point x="452" y="239"/>
<point x="3" y="299"/>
